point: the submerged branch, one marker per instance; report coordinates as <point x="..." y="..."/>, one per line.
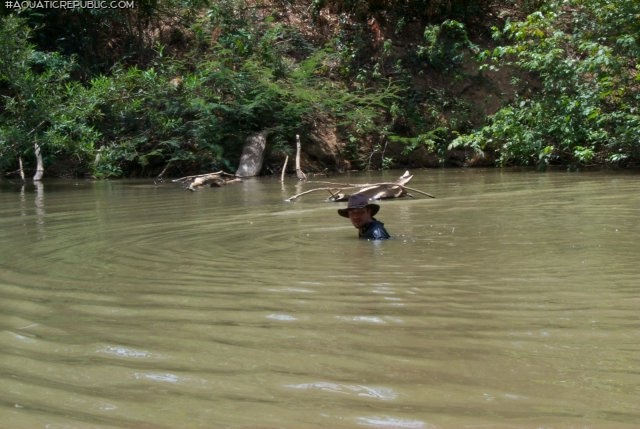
<point x="294" y="197"/>
<point x="219" y="178"/>
<point x="375" y="191"/>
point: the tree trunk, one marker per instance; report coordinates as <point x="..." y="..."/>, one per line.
<point x="284" y="168"/>
<point x="252" y="155"/>
<point x="39" y="164"/>
<point x="299" y="171"/>
<point x="21" y="168"/>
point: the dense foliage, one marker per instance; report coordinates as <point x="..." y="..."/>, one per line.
<point x="578" y="101"/>
<point x="175" y="87"/>
<point x="178" y="113"/>
<point x="41" y="105"/>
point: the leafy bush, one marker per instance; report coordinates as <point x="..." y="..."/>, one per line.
<point x="42" y="108"/>
<point x="446" y="46"/>
<point x="581" y="105"/>
<point x="150" y="121"/>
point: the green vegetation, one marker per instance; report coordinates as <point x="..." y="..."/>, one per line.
<point x="43" y="109"/>
<point x="175" y="87"/>
<point x="578" y="98"/>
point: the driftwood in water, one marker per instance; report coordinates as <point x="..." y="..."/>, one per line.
<point x="217" y="179"/>
<point x="374" y="191"/>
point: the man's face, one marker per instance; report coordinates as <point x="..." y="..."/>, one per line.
<point x="360" y="217"/>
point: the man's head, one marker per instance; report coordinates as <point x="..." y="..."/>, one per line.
<point x="359" y="210"/>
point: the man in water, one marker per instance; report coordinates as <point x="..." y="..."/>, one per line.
<point x="361" y="214"/>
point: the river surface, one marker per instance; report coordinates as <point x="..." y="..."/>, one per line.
<point x="512" y="300"/>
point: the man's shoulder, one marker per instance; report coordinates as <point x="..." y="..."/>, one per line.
<point x="375" y="230"/>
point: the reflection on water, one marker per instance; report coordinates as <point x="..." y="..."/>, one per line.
<point x="509" y="301"/>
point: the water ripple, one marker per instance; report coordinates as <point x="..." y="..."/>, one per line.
<point x="381" y="393"/>
<point x="141" y="306"/>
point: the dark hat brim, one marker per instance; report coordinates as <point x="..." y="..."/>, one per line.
<point x="374" y="209"/>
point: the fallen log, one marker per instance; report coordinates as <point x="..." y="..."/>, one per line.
<point x="374" y="191"/>
<point x="217" y="179"/>
<point x="252" y="155"/>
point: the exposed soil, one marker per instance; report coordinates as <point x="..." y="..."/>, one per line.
<point x="479" y="94"/>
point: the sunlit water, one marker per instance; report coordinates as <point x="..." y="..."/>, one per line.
<point x="509" y="301"/>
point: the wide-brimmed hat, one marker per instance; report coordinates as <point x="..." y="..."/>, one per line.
<point x="359" y="201"/>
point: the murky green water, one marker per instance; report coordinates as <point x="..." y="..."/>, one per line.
<point x="510" y="301"/>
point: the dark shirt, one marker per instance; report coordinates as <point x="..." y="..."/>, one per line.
<point x="373" y="231"/>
